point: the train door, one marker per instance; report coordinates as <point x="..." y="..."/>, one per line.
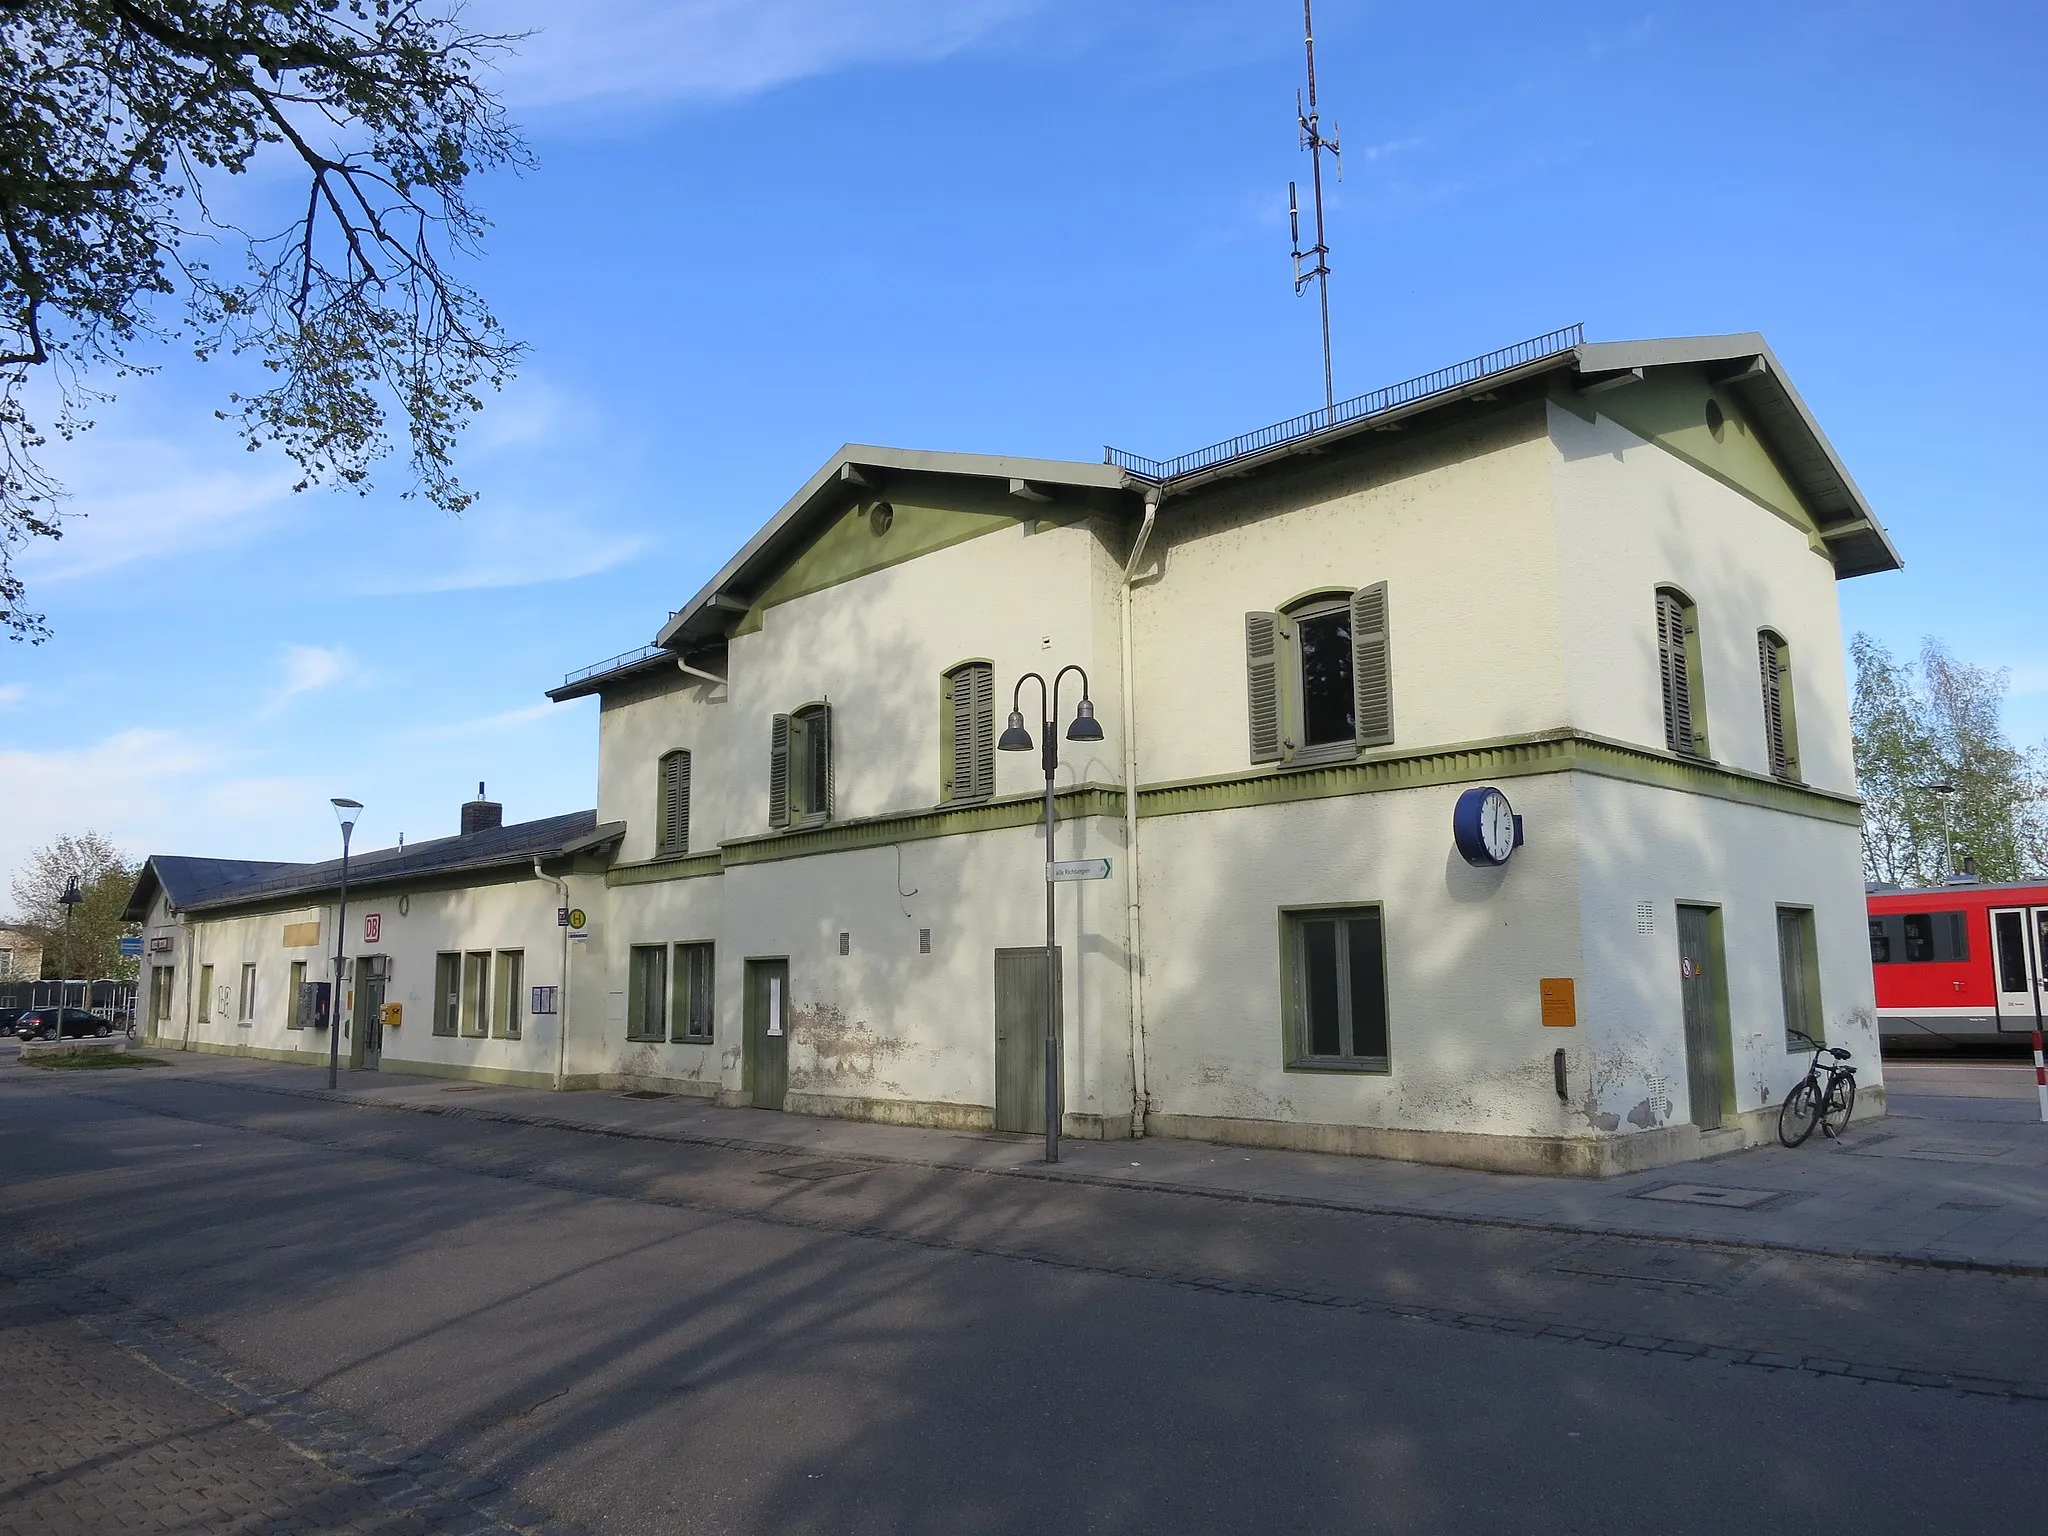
<point x="2019" y="944"/>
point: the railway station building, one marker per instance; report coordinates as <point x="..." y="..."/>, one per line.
<point x="1471" y="763"/>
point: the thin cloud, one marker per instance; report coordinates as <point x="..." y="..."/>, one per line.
<point x="139" y="499"/>
<point x="714" y="50"/>
<point x="496" y="546"/>
<point x="309" y="669"/>
<point x="12" y="693"/>
<point x="485" y="725"/>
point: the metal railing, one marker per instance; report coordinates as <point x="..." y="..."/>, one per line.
<point x="1358" y="408"/>
<point x="615" y="663"/>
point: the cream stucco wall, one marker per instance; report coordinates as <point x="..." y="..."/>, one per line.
<point x="1631" y="518"/>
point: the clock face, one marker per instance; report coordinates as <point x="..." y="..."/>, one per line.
<point x="1497" y="827"/>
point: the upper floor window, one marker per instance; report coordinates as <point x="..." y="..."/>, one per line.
<point x="1319" y="678"/>
<point x="1678" y="664"/>
<point x="967" y="732"/>
<point x="672" y="814"/>
<point x="1781" y="739"/>
<point x="800" y="767"/>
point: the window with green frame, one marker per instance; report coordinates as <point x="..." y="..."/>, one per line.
<point x="690" y="1011"/>
<point x="1799" y="977"/>
<point x="1334" y="969"/>
<point x="647" y="992"/>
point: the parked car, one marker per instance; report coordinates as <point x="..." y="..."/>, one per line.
<point x="9" y="1017"/>
<point x="48" y="1023"/>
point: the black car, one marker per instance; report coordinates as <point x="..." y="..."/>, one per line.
<point x="44" y="1023"/>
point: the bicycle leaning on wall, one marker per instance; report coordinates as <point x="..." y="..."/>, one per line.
<point x="1825" y="1097"/>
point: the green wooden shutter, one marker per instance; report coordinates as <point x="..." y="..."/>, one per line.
<point x="1269" y="684"/>
<point x="821" y="722"/>
<point x="1774" y="701"/>
<point x="674" y="819"/>
<point x="1788" y="719"/>
<point x="949" y="749"/>
<point x="1372" y="666"/>
<point x="974" y="728"/>
<point x="1675" y="673"/>
<point x="778" y="771"/>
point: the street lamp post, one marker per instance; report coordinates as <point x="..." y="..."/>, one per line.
<point x="346" y="811"/>
<point x="71" y="898"/>
<point x="1016" y="738"/>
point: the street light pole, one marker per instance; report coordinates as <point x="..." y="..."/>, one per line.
<point x="71" y="898"/>
<point x="347" y="811"/>
<point x="1017" y="739"/>
<point x="1948" y="838"/>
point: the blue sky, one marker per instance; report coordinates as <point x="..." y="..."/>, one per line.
<point x="757" y="229"/>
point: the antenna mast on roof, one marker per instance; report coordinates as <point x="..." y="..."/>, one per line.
<point x="1313" y="141"/>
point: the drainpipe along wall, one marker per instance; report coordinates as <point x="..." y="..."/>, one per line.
<point x="1140" y="1095"/>
<point x="562" y="997"/>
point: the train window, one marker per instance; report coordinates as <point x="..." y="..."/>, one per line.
<point x="1920" y="938"/>
<point x="2012" y="952"/>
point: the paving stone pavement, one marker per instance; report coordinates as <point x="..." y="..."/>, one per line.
<point x="1955" y="1175"/>
<point x="120" y="1422"/>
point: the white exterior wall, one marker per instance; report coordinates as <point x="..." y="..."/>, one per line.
<point x="1630" y="518"/>
<point x="1459" y="525"/>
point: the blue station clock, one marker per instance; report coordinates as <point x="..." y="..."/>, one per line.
<point x="1485" y="827"/>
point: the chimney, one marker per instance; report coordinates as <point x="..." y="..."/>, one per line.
<point x="481" y="815"/>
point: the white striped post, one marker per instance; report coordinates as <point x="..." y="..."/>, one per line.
<point x="2041" y="1077"/>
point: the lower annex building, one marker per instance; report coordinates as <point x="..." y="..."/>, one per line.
<point x="1474" y="777"/>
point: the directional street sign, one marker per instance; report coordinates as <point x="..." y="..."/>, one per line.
<point x="132" y="946"/>
<point x="1077" y="869"/>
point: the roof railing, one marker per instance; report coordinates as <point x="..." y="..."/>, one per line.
<point x="1358" y="408"/>
<point x="616" y="663"/>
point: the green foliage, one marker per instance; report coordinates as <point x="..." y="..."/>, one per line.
<point x="105" y="879"/>
<point x="120" y="121"/>
<point x="1940" y="723"/>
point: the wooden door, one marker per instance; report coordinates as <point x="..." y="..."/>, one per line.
<point x="1706" y="1057"/>
<point x="1020" y="1037"/>
<point x="765" y="1061"/>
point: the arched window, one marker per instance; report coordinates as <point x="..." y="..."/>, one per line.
<point x="1319" y="677"/>
<point x="672" y="814"/>
<point x="1781" y="736"/>
<point x="800" y="767"/>
<point x="967" y="732"/>
<point x="1678" y="664"/>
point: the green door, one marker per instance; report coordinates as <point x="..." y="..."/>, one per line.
<point x="1020" y="1038"/>
<point x="765" y="1063"/>
<point x="1705" y="991"/>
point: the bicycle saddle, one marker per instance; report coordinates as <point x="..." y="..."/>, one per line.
<point x="1838" y="1053"/>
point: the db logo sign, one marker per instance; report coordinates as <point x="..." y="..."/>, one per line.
<point x="373" y="927"/>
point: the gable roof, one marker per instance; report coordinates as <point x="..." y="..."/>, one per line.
<point x="465" y="853"/>
<point x="1741" y="363"/>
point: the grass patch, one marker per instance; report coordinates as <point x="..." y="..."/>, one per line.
<point x="92" y="1061"/>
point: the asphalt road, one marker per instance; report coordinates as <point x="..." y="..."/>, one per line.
<point x="643" y="1338"/>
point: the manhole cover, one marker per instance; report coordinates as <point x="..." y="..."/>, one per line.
<point x="1969" y="1149"/>
<point x="643" y="1093"/>
<point x="817" y="1170"/>
<point x="1641" y="1261"/>
<point x="1965" y="1205"/>
<point x="1712" y="1194"/>
<point x="465" y="1088"/>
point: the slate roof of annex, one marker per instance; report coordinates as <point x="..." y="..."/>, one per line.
<point x="201" y="885"/>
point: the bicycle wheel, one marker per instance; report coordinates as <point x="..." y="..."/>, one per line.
<point x="1798" y="1115"/>
<point x="1841" y="1105"/>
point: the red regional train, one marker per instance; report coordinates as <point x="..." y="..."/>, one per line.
<point x="1960" y="964"/>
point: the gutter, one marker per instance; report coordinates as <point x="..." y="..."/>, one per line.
<point x="1140" y="1092"/>
<point x="562" y="1005"/>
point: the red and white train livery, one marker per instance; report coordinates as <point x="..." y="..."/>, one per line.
<point x="1960" y="962"/>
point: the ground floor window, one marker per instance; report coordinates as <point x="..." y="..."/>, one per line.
<point x="247" y="1011"/>
<point x="447" y="993"/>
<point x="160" y="994"/>
<point x="1799" y="977"/>
<point x="511" y="981"/>
<point x="691" y="1016"/>
<point x="647" y="993"/>
<point x="206" y="994"/>
<point x="294" y="997"/>
<point x="1336" y="970"/>
<point x="476" y="993"/>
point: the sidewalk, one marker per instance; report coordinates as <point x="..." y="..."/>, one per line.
<point x="1955" y="1175"/>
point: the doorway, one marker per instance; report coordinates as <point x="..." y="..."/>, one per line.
<point x="2019" y="953"/>
<point x="1703" y="981"/>
<point x="1020" y="1037"/>
<point x="765" y="1059"/>
<point x="372" y="974"/>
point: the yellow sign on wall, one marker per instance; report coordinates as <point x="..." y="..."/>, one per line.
<point x="392" y="1014"/>
<point x="1560" y="1002"/>
<point x="301" y="935"/>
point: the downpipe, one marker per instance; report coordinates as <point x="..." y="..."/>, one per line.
<point x="562" y="1003"/>
<point x="1140" y="1090"/>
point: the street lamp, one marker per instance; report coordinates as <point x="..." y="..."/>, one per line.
<point x="1948" y="841"/>
<point x="71" y="898"/>
<point x="1016" y="738"/>
<point x="346" y="812"/>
